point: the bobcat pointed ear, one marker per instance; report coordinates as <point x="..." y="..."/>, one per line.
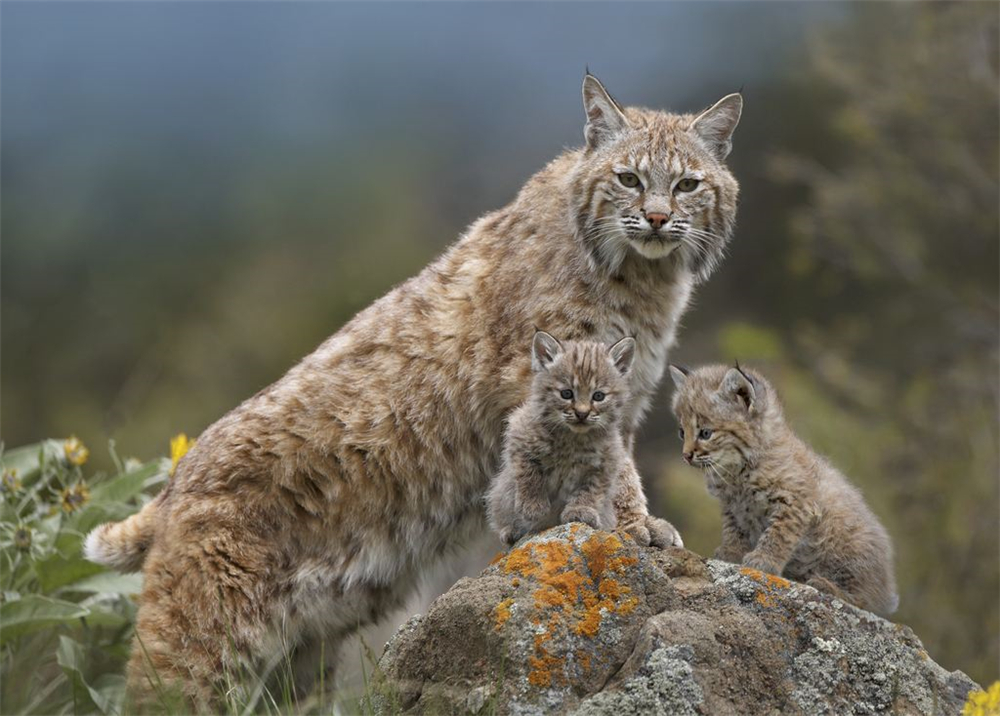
<point x="715" y="126"/>
<point x="679" y="374"/>
<point x="544" y="350"/>
<point x="623" y="354"/>
<point x="741" y="387"/>
<point x="605" y="117"/>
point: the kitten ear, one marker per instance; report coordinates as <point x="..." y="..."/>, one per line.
<point x="679" y="373"/>
<point x="605" y="117"/>
<point x="623" y="353"/>
<point x="715" y="126"/>
<point x="544" y="350"/>
<point x="741" y="387"/>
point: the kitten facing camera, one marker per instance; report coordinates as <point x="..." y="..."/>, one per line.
<point x="785" y="509"/>
<point x="563" y="451"/>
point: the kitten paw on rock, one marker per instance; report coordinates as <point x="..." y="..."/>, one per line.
<point x="662" y="533"/>
<point x="586" y="515"/>
<point x="761" y="563"/>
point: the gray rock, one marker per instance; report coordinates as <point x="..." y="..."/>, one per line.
<point x="578" y="621"/>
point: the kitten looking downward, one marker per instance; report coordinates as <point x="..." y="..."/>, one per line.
<point x="563" y="452"/>
<point x="785" y="510"/>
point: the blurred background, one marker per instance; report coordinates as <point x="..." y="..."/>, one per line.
<point x="195" y="195"/>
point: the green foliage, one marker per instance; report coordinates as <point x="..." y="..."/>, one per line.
<point x="65" y="623"/>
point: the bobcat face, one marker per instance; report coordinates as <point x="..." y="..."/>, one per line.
<point x="580" y="386"/>
<point x="655" y="184"/>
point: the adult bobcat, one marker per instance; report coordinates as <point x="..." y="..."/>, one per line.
<point x="311" y="508"/>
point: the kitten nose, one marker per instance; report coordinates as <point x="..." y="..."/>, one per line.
<point x="688" y="456"/>
<point x="657" y="220"/>
<point x="581" y="415"/>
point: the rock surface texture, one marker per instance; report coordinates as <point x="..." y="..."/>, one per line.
<point x="579" y="621"/>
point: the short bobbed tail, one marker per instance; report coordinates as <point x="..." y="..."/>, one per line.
<point x="123" y="545"/>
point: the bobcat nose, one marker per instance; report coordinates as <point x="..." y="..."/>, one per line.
<point x="581" y="415"/>
<point x="688" y="456"/>
<point x="657" y="220"/>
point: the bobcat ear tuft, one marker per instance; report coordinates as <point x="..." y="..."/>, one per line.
<point x="739" y="386"/>
<point x="544" y="350"/>
<point x="623" y="354"/>
<point x="605" y="117"/>
<point x="715" y="126"/>
<point x="679" y="374"/>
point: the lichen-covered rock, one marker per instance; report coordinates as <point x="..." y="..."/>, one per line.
<point x="580" y="621"/>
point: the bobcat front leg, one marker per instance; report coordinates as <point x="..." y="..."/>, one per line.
<point x="531" y="500"/>
<point x="735" y="542"/>
<point x="787" y="526"/>
<point x="633" y="515"/>
<point x="586" y="504"/>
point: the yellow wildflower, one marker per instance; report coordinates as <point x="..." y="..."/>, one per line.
<point x="983" y="703"/>
<point x="73" y="498"/>
<point x="179" y="446"/>
<point x="10" y="483"/>
<point x="76" y="452"/>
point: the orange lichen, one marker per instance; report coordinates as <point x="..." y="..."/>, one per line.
<point x="502" y="612"/>
<point x="497" y="557"/>
<point x="765" y="599"/>
<point x="770" y="583"/>
<point x="542" y="671"/>
<point x="575" y="592"/>
<point x="768" y="580"/>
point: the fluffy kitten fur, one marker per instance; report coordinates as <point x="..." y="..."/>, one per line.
<point x="312" y="508"/>
<point x="563" y="452"/>
<point x="785" y="510"/>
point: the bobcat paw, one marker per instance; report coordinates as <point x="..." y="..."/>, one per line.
<point x="587" y="515"/>
<point x="662" y="533"/>
<point x="512" y="533"/>
<point x="761" y="563"/>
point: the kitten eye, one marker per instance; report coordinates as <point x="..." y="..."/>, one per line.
<point x="680" y="433"/>
<point x="687" y="185"/>
<point x="567" y="394"/>
<point x="598" y="396"/>
<point x="705" y="433"/>
<point x="630" y="180"/>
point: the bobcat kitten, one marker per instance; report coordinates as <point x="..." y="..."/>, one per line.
<point x="784" y="508"/>
<point x="563" y="452"/>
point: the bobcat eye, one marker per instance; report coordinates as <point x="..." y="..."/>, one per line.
<point x="680" y="433"/>
<point x="705" y="433"/>
<point x="630" y="180"/>
<point x="567" y="394"/>
<point x="687" y="185"/>
<point x="598" y="396"/>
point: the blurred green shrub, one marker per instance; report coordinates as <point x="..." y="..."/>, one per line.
<point x="66" y="622"/>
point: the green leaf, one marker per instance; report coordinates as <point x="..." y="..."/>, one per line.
<point x="107" y="583"/>
<point x="57" y="571"/>
<point x="126" y="486"/>
<point x="86" y="699"/>
<point x="34" y="612"/>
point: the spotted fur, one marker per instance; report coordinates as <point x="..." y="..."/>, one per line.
<point x="312" y="508"/>
<point x="785" y="510"/>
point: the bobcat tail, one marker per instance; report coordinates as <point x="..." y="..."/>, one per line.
<point x="123" y="545"/>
